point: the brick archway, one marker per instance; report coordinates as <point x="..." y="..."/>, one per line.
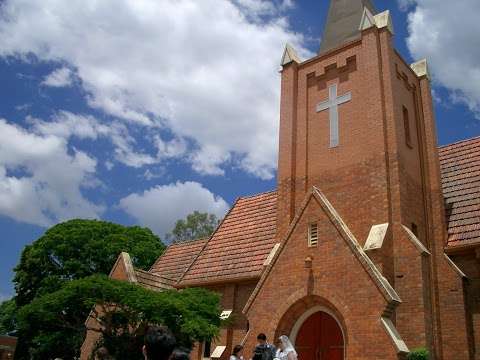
<point x="293" y="319"/>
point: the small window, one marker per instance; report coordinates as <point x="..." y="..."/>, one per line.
<point x="406" y="124"/>
<point x="207" y="349"/>
<point x="415" y="229"/>
<point x="312" y="235"/>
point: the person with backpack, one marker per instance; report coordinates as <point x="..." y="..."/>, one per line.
<point x="263" y="350"/>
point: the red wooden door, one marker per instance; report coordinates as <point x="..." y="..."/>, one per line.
<point x="320" y="338"/>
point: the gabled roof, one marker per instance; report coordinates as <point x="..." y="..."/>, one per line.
<point x="177" y="258"/>
<point x="152" y="281"/>
<point x="460" y="166"/>
<point x="239" y="247"/>
<point x="381" y="282"/>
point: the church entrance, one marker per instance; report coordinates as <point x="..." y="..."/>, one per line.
<point x="320" y="337"/>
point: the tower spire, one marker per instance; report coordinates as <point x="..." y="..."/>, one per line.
<point x="343" y="22"/>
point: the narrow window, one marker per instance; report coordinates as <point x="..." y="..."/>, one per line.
<point x="406" y="124"/>
<point x="312" y="235"/>
<point x="415" y="229"/>
<point x="207" y="349"/>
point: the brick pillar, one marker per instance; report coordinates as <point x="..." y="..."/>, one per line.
<point x="287" y="148"/>
<point x="449" y="317"/>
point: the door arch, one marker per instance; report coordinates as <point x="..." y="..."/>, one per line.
<point x="318" y="335"/>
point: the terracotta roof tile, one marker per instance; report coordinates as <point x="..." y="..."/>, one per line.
<point x="152" y="281"/>
<point x="177" y="258"/>
<point x="460" y="166"/>
<point x="240" y="245"/>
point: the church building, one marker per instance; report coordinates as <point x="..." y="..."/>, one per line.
<point x="370" y="245"/>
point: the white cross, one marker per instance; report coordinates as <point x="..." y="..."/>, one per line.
<point x="332" y="104"/>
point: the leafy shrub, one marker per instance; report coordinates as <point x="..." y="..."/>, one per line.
<point x="419" y="354"/>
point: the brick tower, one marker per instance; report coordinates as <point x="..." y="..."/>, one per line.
<point x="357" y="125"/>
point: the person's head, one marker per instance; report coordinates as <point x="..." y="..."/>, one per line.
<point x="237" y="350"/>
<point x="262" y="338"/>
<point x="159" y="343"/>
<point x="285" y="343"/>
<point x="180" y="354"/>
<point x="102" y="354"/>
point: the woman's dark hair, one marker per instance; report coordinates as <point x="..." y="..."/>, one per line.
<point x="159" y="343"/>
<point x="237" y="349"/>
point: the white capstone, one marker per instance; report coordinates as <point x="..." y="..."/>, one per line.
<point x="383" y="20"/>
<point x="421" y="68"/>
<point x="218" y="352"/>
<point x="289" y="55"/>
<point x="376" y="236"/>
<point x="368" y="20"/>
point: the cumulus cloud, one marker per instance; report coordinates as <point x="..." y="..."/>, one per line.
<point x="61" y="77"/>
<point x="206" y="71"/>
<point x="66" y="125"/>
<point x="451" y="44"/>
<point x="41" y="182"/>
<point x="161" y="206"/>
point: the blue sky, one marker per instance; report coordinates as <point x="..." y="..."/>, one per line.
<point x="144" y="114"/>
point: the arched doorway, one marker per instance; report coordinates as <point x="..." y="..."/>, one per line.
<point x="318" y="336"/>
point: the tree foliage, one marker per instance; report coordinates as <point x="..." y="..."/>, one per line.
<point x="79" y="248"/>
<point x="54" y="323"/>
<point x="419" y="354"/>
<point x="196" y="225"/>
<point x="7" y="316"/>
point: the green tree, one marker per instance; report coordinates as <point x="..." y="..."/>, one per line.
<point x="196" y="225"/>
<point x="8" y="311"/>
<point x="419" y="354"/>
<point x="79" y="248"/>
<point x="54" y="323"/>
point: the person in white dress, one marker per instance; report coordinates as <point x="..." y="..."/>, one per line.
<point x="286" y="350"/>
<point x="237" y="353"/>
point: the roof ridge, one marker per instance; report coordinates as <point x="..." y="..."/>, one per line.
<point x="183" y="242"/>
<point x="259" y="194"/>
<point x="444" y="147"/>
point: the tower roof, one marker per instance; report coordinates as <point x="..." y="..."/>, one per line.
<point x="343" y="22"/>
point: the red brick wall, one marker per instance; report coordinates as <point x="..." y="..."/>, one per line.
<point x="234" y="296"/>
<point x="373" y="177"/>
<point x="336" y="280"/>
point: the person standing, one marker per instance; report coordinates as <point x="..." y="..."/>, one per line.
<point x="264" y="350"/>
<point x="159" y="343"/>
<point x="237" y="353"/>
<point x="286" y="351"/>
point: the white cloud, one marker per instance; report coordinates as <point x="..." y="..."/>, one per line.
<point x="204" y="70"/>
<point x="161" y="206"/>
<point x="40" y="180"/>
<point x="61" y="77"/>
<point x="451" y="44"/>
<point x="404" y="5"/>
<point x="66" y="125"/>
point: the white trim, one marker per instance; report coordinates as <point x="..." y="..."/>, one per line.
<point x="397" y="340"/>
<point x="455" y="267"/>
<point x="270" y="257"/>
<point x="301" y="320"/>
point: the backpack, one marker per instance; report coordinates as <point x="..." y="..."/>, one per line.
<point x="263" y="352"/>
